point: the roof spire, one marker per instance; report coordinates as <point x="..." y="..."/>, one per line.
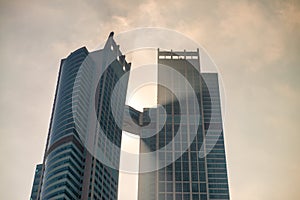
<point x="111" y="34"/>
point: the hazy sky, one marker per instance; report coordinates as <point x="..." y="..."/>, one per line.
<point x="256" y="45"/>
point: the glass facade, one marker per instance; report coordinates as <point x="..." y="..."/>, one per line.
<point x="64" y="157"/>
<point x="190" y="176"/>
<point x="70" y="170"/>
<point x="36" y="182"/>
<point x="214" y="140"/>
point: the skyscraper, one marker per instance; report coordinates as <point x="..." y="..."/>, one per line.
<point x="193" y="166"/>
<point x="182" y="153"/>
<point x="70" y="169"/>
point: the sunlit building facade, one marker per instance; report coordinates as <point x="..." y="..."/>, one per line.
<point x="195" y="165"/>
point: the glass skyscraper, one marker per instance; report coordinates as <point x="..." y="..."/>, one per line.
<point x="69" y="170"/>
<point x="193" y="166"/>
<point x="188" y="155"/>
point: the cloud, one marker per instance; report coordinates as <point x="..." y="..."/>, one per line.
<point x="255" y="44"/>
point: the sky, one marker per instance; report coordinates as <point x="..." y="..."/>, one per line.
<point x="255" y="45"/>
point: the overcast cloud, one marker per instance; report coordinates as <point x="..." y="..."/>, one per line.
<point x="256" y="45"/>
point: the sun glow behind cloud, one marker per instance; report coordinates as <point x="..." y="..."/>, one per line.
<point x="145" y="96"/>
<point x="128" y="182"/>
<point x="138" y="98"/>
<point x="255" y="44"/>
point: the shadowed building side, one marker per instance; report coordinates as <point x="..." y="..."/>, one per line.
<point x="70" y="169"/>
<point x="36" y="181"/>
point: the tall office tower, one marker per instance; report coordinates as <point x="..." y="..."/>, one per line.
<point x="189" y="153"/>
<point x="184" y="160"/>
<point x="70" y="169"/>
